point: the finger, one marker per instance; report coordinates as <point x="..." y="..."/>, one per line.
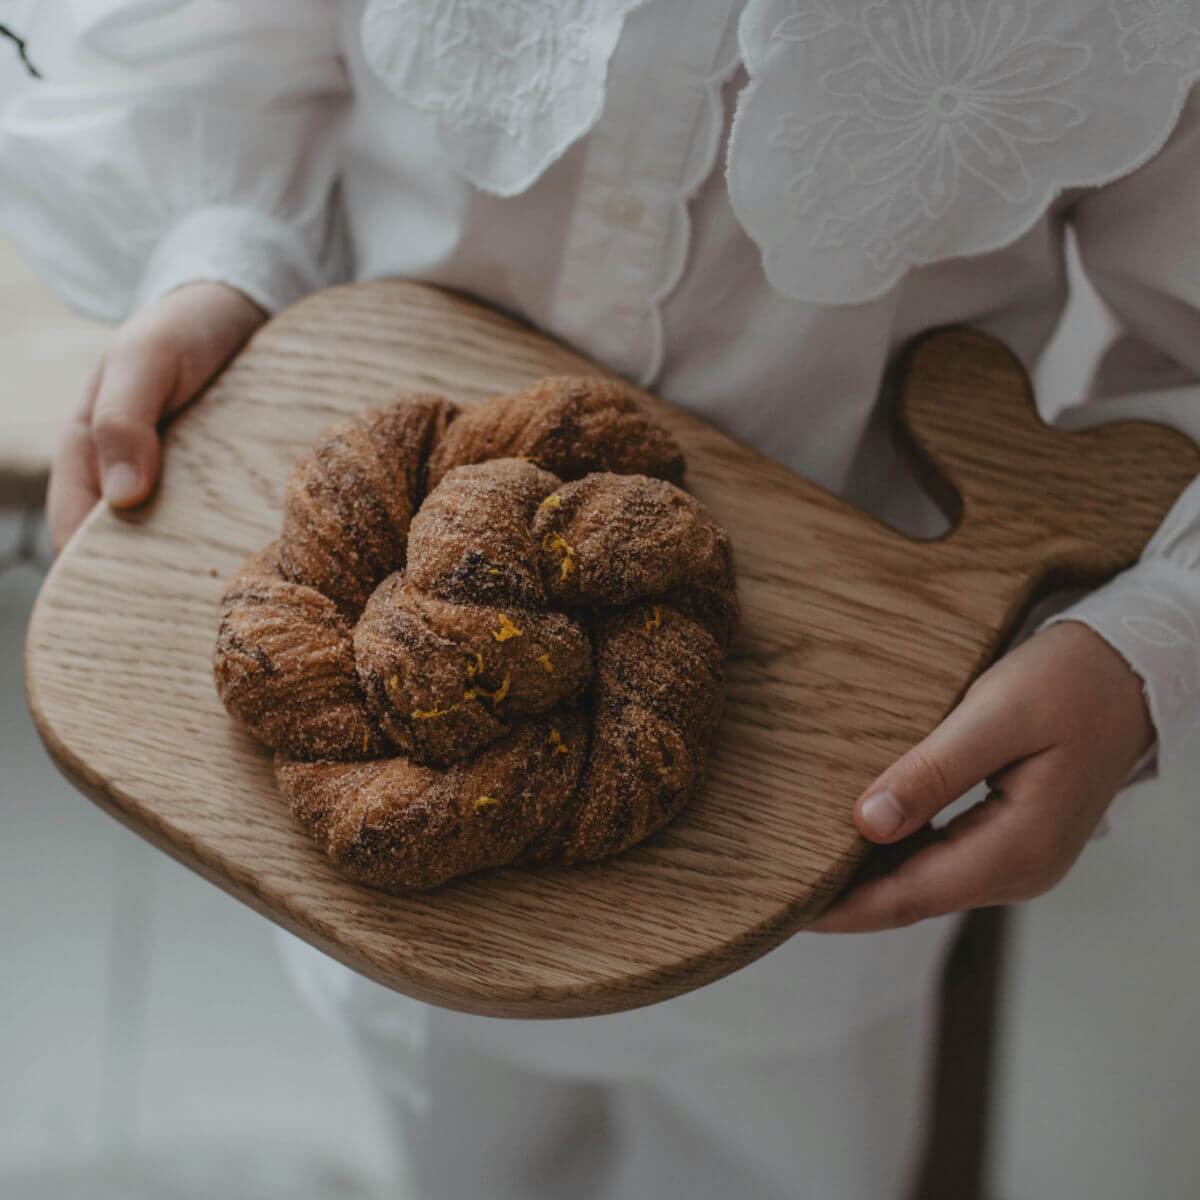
<point x="74" y="484"/>
<point x="74" y="487"/>
<point x="989" y="729"/>
<point x="218" y="320"/>
<point x="87" y="398"/>
<point x="883" y="860"/>
<point x="137" y="384"/>
<point x="951" y="874"/>
<point x="1011" y="847"/>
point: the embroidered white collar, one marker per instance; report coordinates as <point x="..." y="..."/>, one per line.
<point x="874" y="135"/>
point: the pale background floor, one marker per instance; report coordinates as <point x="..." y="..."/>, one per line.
<point x="150" y="1043"/>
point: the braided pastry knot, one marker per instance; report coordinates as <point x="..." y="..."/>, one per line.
<point x="524" y="667"/>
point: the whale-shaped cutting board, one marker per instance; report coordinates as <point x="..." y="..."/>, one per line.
<point x="856" y="641"/>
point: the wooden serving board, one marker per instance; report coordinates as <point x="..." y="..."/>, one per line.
<point x="856" y="641"/>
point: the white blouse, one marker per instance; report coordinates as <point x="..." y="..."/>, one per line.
<point x="749" y="205"/>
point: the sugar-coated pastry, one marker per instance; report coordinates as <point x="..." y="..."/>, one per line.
<point x="507" y="668"/>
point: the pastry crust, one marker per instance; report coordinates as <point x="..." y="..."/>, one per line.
<point x="569" y="425"/>
<point x="349" y="503"/>
<point x="284" y="664"/>
<point x="522" y="665"/>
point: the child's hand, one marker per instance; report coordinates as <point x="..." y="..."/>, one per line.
<point x="1055" y="728"/>
<point x="158" y="360"/>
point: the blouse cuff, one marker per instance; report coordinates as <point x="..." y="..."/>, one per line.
<point x="1150" y="615"/>
<point x="243" y="247"/>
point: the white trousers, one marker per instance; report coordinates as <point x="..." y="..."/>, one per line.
<point x="477" y="1117"/>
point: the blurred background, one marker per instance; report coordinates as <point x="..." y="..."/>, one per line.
<point x="151" y="1044"/>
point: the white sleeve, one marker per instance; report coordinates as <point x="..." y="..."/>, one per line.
<point x="178" y="140"/>
<point x="1139" y="241"/>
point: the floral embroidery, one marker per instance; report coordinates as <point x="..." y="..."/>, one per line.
<point x="1158" y="31"/>
<point x="1172" y="637"/>
<point x="1156" y="632"/>
<point x="496" y="66"/>
<point x="816" y="18"/>
<point x="512" y="83"/>
<point x="972" y="105"/>
<point x="936" y="96"/>
<point x="902" y="132"/>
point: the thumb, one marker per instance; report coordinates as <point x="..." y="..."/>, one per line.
<point x="982" y="735"/>
<point x="137" y="381"/>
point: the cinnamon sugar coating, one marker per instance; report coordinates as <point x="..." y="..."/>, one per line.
<point x="396" y="824"/>
<point x="472" y="541"/>
<point x="509" y="668"/>
<point x="349" y="502"/>
<point x="612" y="539"/>
<point x="441" y="683"/>
<point x="570" y="425"/>
<point x="657" y="697"/>
<point x="284" y="664"/>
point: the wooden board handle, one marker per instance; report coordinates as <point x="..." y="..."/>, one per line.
<point x="1052" y="507"/>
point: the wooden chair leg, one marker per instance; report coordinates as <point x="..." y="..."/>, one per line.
<point x="955" y="1159"/>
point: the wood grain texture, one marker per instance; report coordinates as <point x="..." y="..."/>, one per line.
<point x="856" y="640"/>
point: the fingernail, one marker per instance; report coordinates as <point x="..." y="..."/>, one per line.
<point x="121" y="484"/>
<point x="881" y="814"/>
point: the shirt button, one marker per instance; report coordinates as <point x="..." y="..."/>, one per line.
<point x="624" y="210"/>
